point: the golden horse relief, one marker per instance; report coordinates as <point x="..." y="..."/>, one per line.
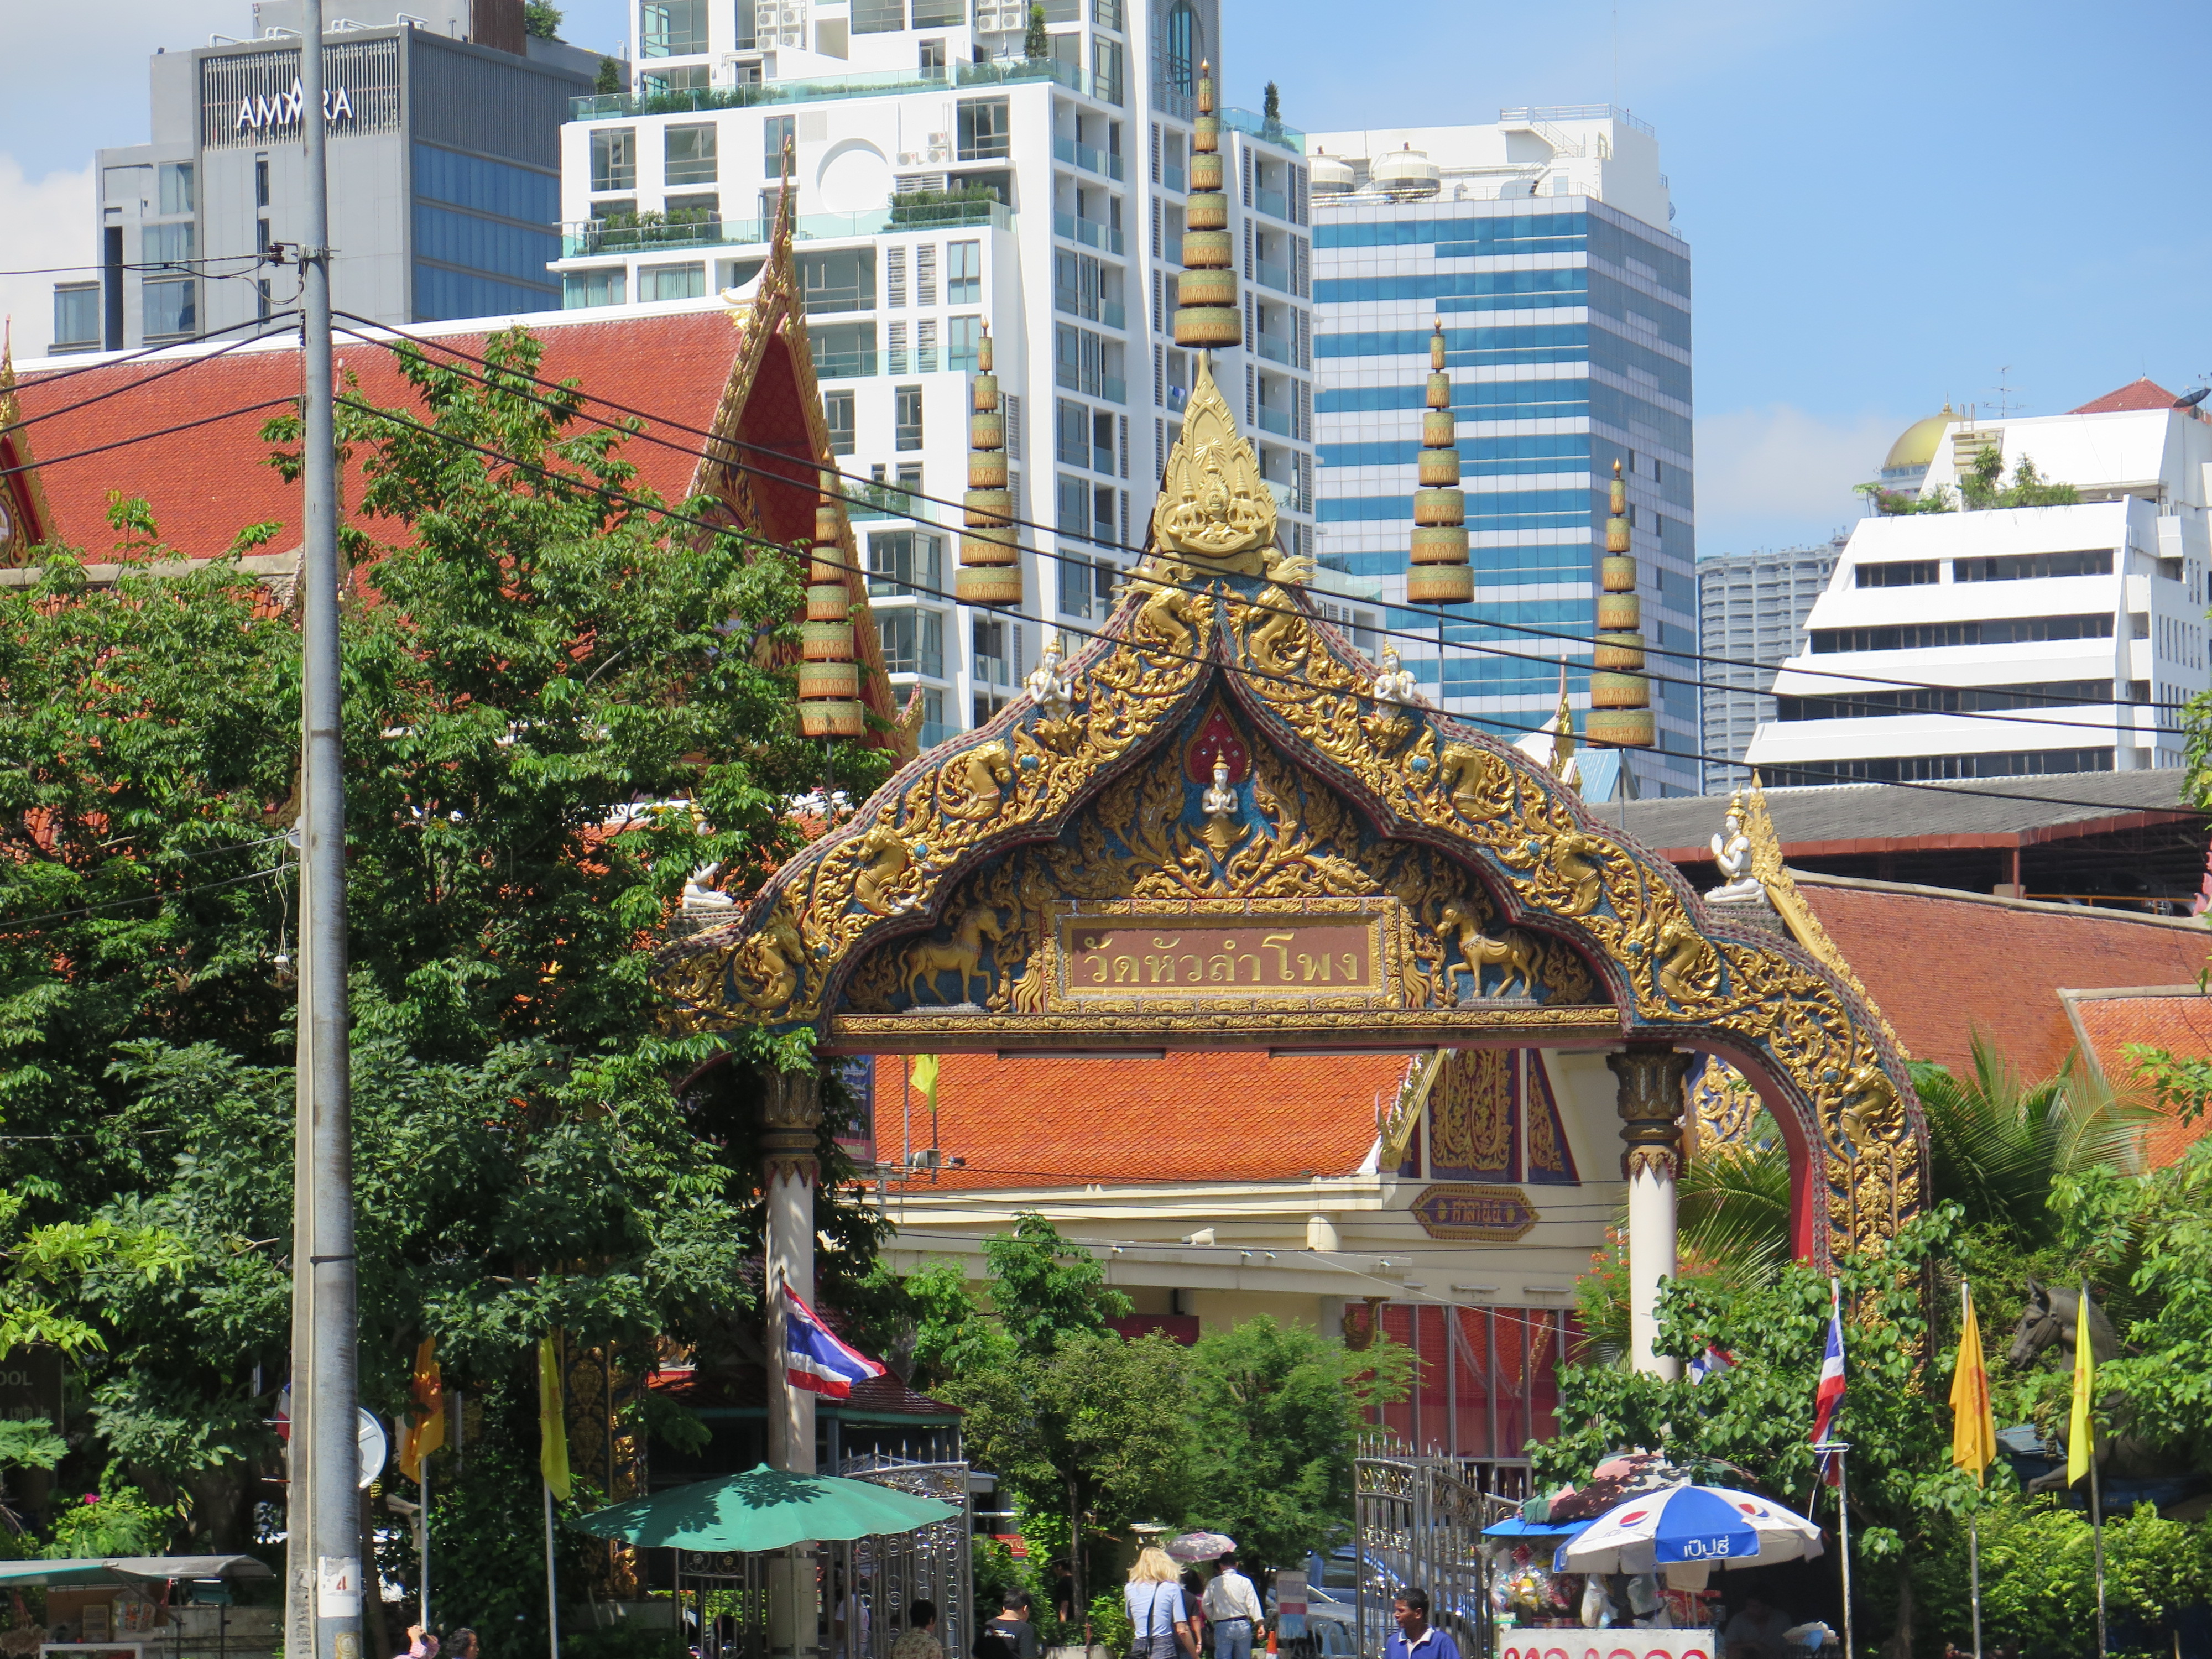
<point x="963" y="953"/>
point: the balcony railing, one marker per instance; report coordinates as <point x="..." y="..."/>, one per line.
<point x="1114" y="389"/>
<point x="1171" y="177"/>
<point x="1273" y="347"/>
<point x="1266" y="131"/>
<point x="869" y="83"/>
<point x="1089" y="232"/>
<point x="1286" y="498"/>
<point x="1275" y="276"/>
<point x="585" y="239"/>
<point x="1271" y="203"/>
<point x="844" y="365"/>
<point x="1079" y="155"/>
<point x="1277" y="421"/>
<point x="1066" y="302"/>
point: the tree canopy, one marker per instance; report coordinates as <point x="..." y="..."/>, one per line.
<point x="554" y="713"/>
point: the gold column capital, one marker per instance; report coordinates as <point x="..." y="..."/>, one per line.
<point x="1650" y="1101"/>
<point x="791" y="1113"/>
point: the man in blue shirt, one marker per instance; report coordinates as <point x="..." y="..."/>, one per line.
<point x="1417" y="1638"/>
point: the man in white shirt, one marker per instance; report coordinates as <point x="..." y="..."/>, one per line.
<point x="1232" y="1605"/>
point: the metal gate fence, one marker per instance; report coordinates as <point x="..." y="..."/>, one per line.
<point x="1418" y="1520"/>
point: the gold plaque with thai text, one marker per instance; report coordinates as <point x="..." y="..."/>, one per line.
<point x="1459" y="1210"/>
<point x="1155" y="954"/>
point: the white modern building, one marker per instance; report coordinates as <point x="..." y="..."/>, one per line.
<point x="1752" y="611"/>
<point x="2012" y="641"/>
<point x="1541" y="242"/>
<point x="947" y="183"/>
<point x="444" y="120"/>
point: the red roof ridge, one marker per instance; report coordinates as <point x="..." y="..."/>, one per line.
<point x="2044" y="906"/>
<point x="2142" y="393"/>
<point x="2105" y="990"/>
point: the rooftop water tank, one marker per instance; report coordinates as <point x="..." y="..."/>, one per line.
<point x="1331" y="176"/>
<point x="1406" y="172"/>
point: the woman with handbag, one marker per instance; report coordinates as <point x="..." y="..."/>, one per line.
<point x="1154" y="1599"/>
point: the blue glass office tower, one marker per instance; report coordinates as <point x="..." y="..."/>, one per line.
<point x="1566" y="322"/>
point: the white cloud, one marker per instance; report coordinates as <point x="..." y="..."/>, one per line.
<point x="1780" y="477"/>
<point x="50" y="223"/>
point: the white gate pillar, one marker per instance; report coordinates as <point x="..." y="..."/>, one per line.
<point x="1650" y="1102"/>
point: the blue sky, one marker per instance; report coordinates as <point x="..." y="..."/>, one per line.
<point x="1886" y="204"/>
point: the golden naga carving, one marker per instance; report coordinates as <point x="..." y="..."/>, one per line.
<point x="1214" y="506"/>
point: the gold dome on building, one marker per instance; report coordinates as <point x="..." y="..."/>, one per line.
<point x="1916" y="447"/>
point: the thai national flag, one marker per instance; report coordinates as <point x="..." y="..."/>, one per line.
<point x="814" y="1359"/>
<point x="1714" y="1358"/>
<point x="1828" y="1398"/>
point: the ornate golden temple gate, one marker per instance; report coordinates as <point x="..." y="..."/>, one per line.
<point x="1219" y="826"/>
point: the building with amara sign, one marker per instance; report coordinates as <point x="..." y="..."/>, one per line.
<point x="445" y="127"/>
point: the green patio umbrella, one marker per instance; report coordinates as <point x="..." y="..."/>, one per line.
<point x="98" y="1570"/>
<point x="765" y="1509"/>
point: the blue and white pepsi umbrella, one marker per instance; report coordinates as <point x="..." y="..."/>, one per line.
<point x="1715" y="1525"/>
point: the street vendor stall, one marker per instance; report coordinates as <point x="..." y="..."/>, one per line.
<point x="122" y="1607"/>
<point x="858" y="1552"/>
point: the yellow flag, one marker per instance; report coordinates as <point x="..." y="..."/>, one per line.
<point x="925" y="1077"/>
<point x="426" y="1426"/>
<point x="1973" y="1425"/>
<point x="2080" y="1448"/>
<point x="552" y="1426"/>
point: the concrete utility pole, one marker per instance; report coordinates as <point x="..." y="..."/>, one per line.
<point x="323" y="1527"/>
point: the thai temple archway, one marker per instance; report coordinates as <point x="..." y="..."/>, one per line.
<point x="1219" y="826"/>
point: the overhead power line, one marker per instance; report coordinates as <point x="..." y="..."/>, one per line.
<point x="611" y="495"/>
<point x="1424" y="640"/>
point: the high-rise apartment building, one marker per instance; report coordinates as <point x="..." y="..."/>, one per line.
<point x="444" y="118"/>
<point x="1751" y="617"/>
<point x="947" y="182"/>
<point x="1540" y="241"/>
<point x="2012" y="640"/>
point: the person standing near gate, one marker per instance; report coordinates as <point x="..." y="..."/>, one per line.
<point x="1415" y="1637"/>
<point x="1233" y="1608"/>
<point x="1154" y="1599"/>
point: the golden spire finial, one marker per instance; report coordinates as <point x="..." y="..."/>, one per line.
<point x="1206" y="312"/>
<point x="1620" y="696"/>
<point x="990" y="549"/>
<point x="1438" y="573"/>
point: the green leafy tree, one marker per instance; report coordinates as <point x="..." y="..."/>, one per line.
<point x="1045" y="1291"/>
<point x="1984" y="486"/>
<point x="1276" y="1412"/>
<point x="609" y="79"/>
<point x="541" y="21"/>
<point x="1035" y="43"/>
<point x="1752" y="1417"/>
<point x="1094" y="1431"/>
<point x="1998" y="1144"/>
<point x="557" y="709"/>
<point x="1271" y="106"/>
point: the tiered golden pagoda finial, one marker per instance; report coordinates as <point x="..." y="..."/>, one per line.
<point x="1440" y="574"/>
<point x="990" y="550"/>
<point x="829" y="678"/>
<point x="1206" y="293"/>
<point x="1620" y="697"/>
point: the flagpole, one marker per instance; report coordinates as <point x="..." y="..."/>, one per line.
<point x="2096" y="1514"/>
<point x="1843" y="1525"/>
<point x="424" y="1541"/>
<point x="552" y="1585"/>
<point x="1973" y="1526"/>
